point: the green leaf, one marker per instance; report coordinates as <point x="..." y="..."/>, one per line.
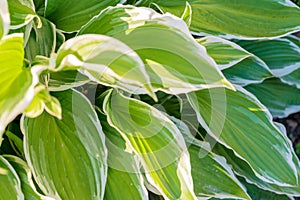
<point x="244" y="170"/>
<point x="17" y="83"/>
<point x="281" y="99"/>
<point x="237" y="120"/>
<point x="67" y="156"/>
<point x="187" y="14"/>
<point x="257" y="193"/>
<point x="248" y="71"/>
<point x="69" y="16"/>
<point x="22" y="12"/>
<point x="104" y="60"/>
<point x="10" y="185"/>
<point x="157" y="142"/>
<point x="27" y="184"/>
<point x="236" y="19"/>
<point x="281" y="55"/>
<point x="4" y="18"/>
<point x="224" y="52"/>
<point x="42" y="40"/>
<point x="16" y="143"/>
<point x="43" y="101"/>
<point x="124" y="179"/>
<point x="173" y="67"/>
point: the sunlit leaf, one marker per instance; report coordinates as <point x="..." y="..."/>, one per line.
<point x="17" y="82"/>
<point x="68" y="156"/>
<point x="173" y="67"/>
<point x="156" y="140"/>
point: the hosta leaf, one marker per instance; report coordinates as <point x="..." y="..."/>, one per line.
<point x="174" y="67"/>
<point x="42" y="40"/>
<point x="10" y="185"/>
<point x="67" y="156"/>
<point x="228" y="116"/>
<point x="281" y="99"/>
<point x="243" y="169"/>
<point x="248" y="71"/>
<point x="229" y="18"/>
<point x="17" y="84"/>
<point x="224" y="52"/>
<point x="105" y="60"/>
<point x="212" y="176"/>
<point x="22" y="12"/>
<point x="281" y="55"/>
<point x="124" y="180"/>
<point x="27" y="184"/>
<point x="157" y="142"/>
<point x="4" y="18"/>
<point x="71" y="15"/>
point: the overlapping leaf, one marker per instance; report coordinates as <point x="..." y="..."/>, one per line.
<point x="281" y="99"/>
<point x="156" y="140"/>
<point x="10" y="185"/>
<point x="27" y="184"/>
<point x="67" y="156"/>
<point x="105" y="60"/>
<point x="174" y="67"/>
<point x="281" y="55"/>
<point x="237" y="120"/>
<point x="16" y="83"/>
<point x="229" y="18"/>
<point x="69" y="16"/>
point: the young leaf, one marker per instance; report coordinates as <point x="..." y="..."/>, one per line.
<point x="69" y="16"/>
<point x="173" y="67"/>
<point x="104" y="60"/>
<point x="27" y="185"/>
<point x="232" y="19"/>
<point x="157" y="142"/>
<point x="68" y="156"/>
<point x="10" y="185"/>
<point x="4" y="18"/>
<point x="281" y="99"/>
<point x="228" y="116"/>
<point x="17" y="83"/>
<point x="281" y="55"/>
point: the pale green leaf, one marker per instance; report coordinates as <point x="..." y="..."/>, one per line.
<point x="68" y="156"/>
<point x="243" y="18"/>
<point x="281" y="99"/>
<point x="22" y="12"/>
<point x="10" y="185"/>
<point x="239" y="121"/>
<point x="17" y="82"/>
<point x="156" y="140"/>
<point x="187" y="14"/>
<point x="281" y="55"/>
<point x="124" y="179"/>
<point x="173" y="67"/>
<point x="43" y="101"/>
<point x="69" y="16"/>
<point x="27" y="184"/>
<point x="104" y="60"/>
<point x="4" y="18"/>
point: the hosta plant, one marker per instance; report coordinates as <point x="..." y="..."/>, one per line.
<point x="149" y="99"/>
